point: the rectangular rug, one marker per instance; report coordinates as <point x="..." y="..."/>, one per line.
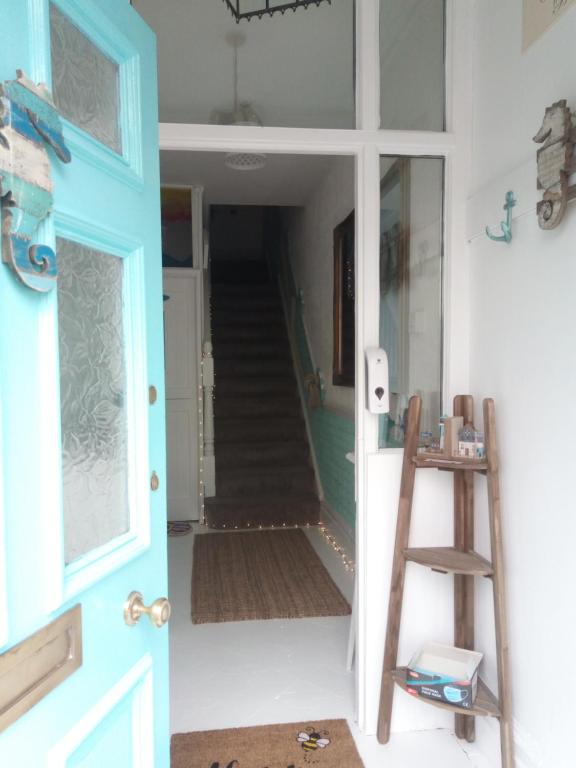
<point x="260" y="575"/>
<point x="327" y="743"/>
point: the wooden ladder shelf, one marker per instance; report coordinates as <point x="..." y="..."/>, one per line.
<point x="460" y="560"/>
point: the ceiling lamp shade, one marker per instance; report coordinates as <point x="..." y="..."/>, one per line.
<point x="248" y="9"/>
<point x="242" y="114"/>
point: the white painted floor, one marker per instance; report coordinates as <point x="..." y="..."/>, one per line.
<point x="259" y="672"/>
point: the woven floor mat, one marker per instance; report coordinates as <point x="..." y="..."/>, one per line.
<point x="260" y="575"/>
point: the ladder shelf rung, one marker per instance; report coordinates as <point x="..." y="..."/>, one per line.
<point x="485" y="704"/>
<point x="450" y="560"/>
<point x="438" y="461"/>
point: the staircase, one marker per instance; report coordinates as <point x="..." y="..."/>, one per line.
<point x="264" y="475"/>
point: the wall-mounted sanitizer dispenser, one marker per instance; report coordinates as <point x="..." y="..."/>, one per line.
<point x="377" y="392"/>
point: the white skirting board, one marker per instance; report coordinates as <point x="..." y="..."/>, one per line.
<point x="485" y="751"/>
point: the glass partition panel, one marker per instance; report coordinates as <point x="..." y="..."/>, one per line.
<point x="411" y="256"/>
<point x="291" y="69"/>
<point x="92" y="398"/>
<point x="412" y="64"/>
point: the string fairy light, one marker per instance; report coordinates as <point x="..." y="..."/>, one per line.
<point x="348" y="563"/>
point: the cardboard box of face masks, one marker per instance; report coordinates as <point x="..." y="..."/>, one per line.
<point x="445" y="674"/>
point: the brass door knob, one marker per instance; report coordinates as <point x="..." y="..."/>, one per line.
<point x="158" y="613"/>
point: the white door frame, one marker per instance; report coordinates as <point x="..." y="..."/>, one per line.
<point x="366" y="144"/>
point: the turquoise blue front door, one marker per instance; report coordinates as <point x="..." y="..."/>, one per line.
<point x="82" y="455"/>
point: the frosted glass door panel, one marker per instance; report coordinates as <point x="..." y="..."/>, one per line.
<point x="92" y="397"/>
<point x="85" y="82"/>
<point x="412" y="64"/>
<point x="411" y="256"/>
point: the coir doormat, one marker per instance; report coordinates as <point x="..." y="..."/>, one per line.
<point x="260" y="575"/>
<point x="327" y="743"/>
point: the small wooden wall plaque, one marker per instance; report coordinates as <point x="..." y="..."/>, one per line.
<point x="37" y="665"/>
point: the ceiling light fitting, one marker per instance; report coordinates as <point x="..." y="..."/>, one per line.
<point x="243" y="114"/>
<point x="245" y="161"/>
<point x="244" y="9"/>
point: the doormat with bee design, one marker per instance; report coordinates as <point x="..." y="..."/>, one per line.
<point x="327" y="743"/>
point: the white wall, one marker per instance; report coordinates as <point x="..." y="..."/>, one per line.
<point x="312" y="254"/>
<point x="523" y="354"/>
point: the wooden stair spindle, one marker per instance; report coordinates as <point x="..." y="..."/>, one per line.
<point x="464" y="563"/>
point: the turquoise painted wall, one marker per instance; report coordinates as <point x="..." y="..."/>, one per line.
<point x="333" y="438"/>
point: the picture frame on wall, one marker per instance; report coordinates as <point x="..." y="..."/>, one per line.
<point x="343" y="363"/>
<point x="177" y="226"/>
<point x="539" y="15"/>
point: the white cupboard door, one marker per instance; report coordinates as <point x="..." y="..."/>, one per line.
<point x="183" y="332"/>
<point x="184" y="401"/>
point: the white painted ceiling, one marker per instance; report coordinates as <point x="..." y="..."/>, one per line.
<point x="297" y="69"/>
<point x="285" y="180"/>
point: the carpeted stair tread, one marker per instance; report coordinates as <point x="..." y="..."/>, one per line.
<point x="257" y="405"/>
<point x="247" y="331"/>
<point x="246" y="512"/>
<point x="247" y="315"/>
<point x="262" y="455"/>
<point x="257" y="386"/>
<point x="246" y="290"/>
<point x="234" y="429"/>
<point x="269" y="471"/>
<point x="262" y="482"/>
<point x="250" y="348"/>
<point x="289" y="487"/>
<point x="240" y="303"/>
<point x="252" y="367"/>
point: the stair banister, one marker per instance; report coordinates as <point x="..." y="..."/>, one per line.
<point x="207" y="447"/>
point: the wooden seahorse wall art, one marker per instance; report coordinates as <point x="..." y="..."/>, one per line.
<point x="29" y="124"/>
<point x="555" y="163"/>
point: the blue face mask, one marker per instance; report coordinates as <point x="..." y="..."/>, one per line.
<point x="455" y="695"/>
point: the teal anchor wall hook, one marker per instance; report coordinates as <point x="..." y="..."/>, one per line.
<point x="506" y="225"/>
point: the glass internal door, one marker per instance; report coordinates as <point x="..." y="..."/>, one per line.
<point x="411" y="263"/>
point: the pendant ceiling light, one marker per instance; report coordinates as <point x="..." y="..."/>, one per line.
<point x="248" y="9"/>
<point x="242" y="114"/>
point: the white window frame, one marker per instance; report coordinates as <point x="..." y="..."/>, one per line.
<point x="366" y="143"/>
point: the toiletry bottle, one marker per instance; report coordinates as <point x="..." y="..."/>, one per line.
<point x="442" y="430"/>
